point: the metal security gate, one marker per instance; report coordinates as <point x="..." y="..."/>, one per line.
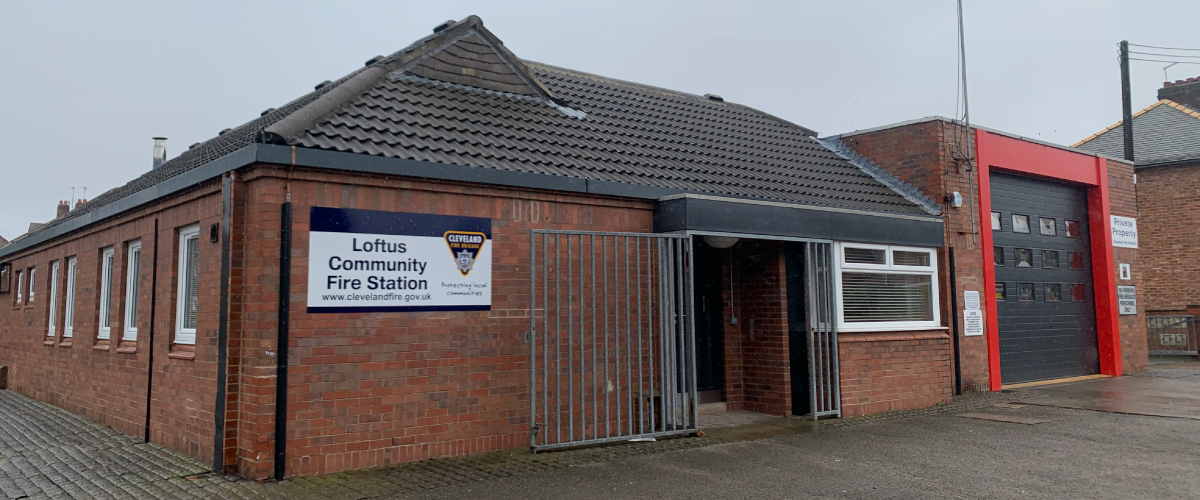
<point x="823" y="375"/>
<point x="611" y="339"/>
<point x="1172" y="335"/>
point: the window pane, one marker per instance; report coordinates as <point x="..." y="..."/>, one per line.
<point x="865" y="256"/>
<point x="1000" y="292"/>
<point x="1075" y="260"/>
<point x="1073" y="229"/>
<point x="1048" y="228"/>
<point x="1053" y="292"/>
<point x="131" y="290"/>
<point x="998" y="255"/>
<point x="1023" y="257"/>
<point x="106" y="289"/>
<point x="887" y="297"/>
<point x="1078" y="293"/>
<point x="1024" y="291"/>
<point x="919" y="259"/>
<point x="51" y="323"/>
<point x="1020" y="223"/>
<point x="1049" y="259"/>
<point x="190" y="299"/>
<point x="996" y="221"/>
<point x="32" y="279"/>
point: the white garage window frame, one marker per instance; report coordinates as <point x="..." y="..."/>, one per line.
<point x="843" y="268"/>
<point x="106" y="269"/>
<point x="186" y="294"/>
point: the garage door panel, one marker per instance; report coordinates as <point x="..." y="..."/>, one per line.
<point x="1040" y="338"/>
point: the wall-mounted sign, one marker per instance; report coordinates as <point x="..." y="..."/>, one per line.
<point x="972" y="322"/>
<point x="1126" y="300"/>
<point x="971" y="299"/>
<point x="1124" y="232"/>
<point x="373" y="261"/>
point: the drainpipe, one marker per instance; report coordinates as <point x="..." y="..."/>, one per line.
<point x="954" y="314"/>
<point x="150" y="344"/>
<point x="223" y="329"/>
<point x="281" y="358"/>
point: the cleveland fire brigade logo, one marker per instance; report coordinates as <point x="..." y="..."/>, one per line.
<point x="465" y="248"/>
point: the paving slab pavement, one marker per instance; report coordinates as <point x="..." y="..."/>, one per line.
<point x="1170" y="388"/>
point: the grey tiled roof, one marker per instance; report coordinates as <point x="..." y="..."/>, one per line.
<point x="1164" y="132"/>
<point x="568" y="123"/>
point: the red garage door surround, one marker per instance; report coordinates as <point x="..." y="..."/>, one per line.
<point x="1006" y="154"/>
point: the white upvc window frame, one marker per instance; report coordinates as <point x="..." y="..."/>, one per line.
<point x="104" y="320"/>
<point x="133" y="261"/>
<point x="52" y="317"/>
<point x="20" y="285"/>
<point x="32" y="281"/>
<point x="185" y="335"/>
<point x="69" y="308"/>
<point x="841" y="266"/>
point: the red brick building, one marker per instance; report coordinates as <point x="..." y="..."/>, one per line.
<point x="605" y="261"/>
<point x="1166" y="140"/>
<point x="1028" y="228"/>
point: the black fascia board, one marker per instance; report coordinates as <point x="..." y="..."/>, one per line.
<point x="357" y="162"/>
<point x="776" y="219"/>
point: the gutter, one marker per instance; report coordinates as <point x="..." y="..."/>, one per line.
<point x="361" y="163"/>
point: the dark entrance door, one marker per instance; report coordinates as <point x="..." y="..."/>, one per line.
<point x="1045" y="302"/>
<point x="710" y="323"/>
<point x="797" y="328"/>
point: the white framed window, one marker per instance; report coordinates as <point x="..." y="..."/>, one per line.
<point x="132" y="267"/>
<point x="187" y="294"/>
<point x="52" y="319"/>
<point x="886" y="288"/>
<point x="106" y="267"/>
<point x="20" y="285"/>
<point x="69" y="309"/>
<point x="32" y="281"/>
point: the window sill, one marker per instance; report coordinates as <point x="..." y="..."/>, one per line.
<point x="189" y="355"/>
<point x="65" y="343"/>
<point x="102" y="345"/>
<point x="48" y="341"/>
<point x="927" y="334"/>
<point x="886" y="328"/>
<point x="127" y="347"/>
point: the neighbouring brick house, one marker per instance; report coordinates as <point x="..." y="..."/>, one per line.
<point x="224" y="303"/>
<point x="1020" y="269"/>
<point x="1166" y="153"/>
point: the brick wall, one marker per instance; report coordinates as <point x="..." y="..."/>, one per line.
<point x="757" y="370"/>
<point x="894" y="371"/>
<point x="1168" y="236"/>
<point x="106" y="380"/>
<point x="1124" y="201"/>
<point x="923" y="155"/>
<point x="369" y="389"/>
<point x="1185" y="92"/>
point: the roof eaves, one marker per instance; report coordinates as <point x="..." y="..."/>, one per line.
<point x="905" y="189"/>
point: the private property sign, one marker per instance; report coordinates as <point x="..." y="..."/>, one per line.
<point x="374" y="261"/>
<point x="1124" y="232"/>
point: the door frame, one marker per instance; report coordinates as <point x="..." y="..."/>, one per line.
<point x="1009" y="155"/>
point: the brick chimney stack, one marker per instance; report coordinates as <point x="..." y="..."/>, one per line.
<point x="64" y="206"/>
<point x="79" y="203"/>
<point x="1185" y="92"/>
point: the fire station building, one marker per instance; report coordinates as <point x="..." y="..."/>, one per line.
<point x="453" y="250"/>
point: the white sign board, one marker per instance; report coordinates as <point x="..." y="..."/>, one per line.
<point x="1124" y="232"/>
<point x="373" y="261"/>
<point x="971" y="298"/>
<point x="1126" y="300"/>
<point x="972" y="322"/>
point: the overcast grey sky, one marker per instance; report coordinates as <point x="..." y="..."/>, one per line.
<point x="83" y="86"/>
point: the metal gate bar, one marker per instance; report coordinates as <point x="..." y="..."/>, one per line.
<point x="1172" y="336"/>
<point x="640" y="329"/>
<point x="823" y="375"/>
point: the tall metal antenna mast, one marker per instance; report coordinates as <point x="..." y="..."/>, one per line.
<point x="962" y="62"/>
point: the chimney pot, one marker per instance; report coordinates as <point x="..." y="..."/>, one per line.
<point x="63" y="207"/>
<point x="79" y="203"/>
<point x="160" y="152"/>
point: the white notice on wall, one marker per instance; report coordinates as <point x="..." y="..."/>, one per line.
<point x="972" y="322"/>
<point x="1124" y="232"/>
<point x="971" y="298"/>
<point x="1126" y="300"/>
